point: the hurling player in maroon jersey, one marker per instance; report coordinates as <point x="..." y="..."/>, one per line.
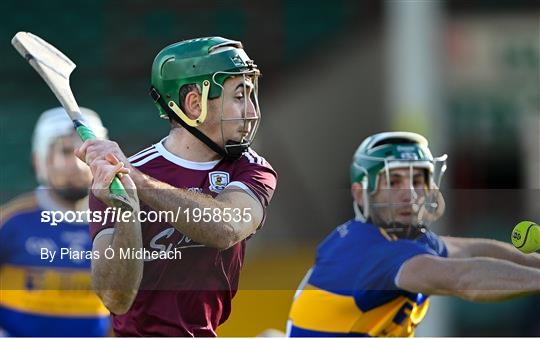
<point x="207" y="89"/>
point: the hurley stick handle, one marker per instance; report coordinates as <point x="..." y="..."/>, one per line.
<point x="116" y="188"/>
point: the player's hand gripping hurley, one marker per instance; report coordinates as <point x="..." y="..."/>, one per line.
<point x="55" y="68"/>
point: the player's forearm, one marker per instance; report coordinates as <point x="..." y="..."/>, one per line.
<point x="500" y="250"/>
<point x="163" y="197"/>
<point x="488" y="279"/>
<point x="116" y="279"/>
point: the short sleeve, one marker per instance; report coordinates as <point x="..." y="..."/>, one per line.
<point x="380" y="272"/>
<point x="376" y="277"/>
<point x="258" y="175"/>
<point x="436" y="243"/>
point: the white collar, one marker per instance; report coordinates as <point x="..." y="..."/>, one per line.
<point x="194" y="165"/>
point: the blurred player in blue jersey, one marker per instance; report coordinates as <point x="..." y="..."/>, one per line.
<point x="50" y="297"/>
<point x="373" y="274"/>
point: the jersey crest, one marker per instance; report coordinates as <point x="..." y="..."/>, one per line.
<point x="218" y="181"/>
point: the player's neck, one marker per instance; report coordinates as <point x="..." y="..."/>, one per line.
<point x="184" y="145"/>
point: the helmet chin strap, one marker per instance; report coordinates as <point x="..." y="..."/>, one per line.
<point x="402" y="231"/>
<point x="358" y="214"/>
<point x="233" y="149"/>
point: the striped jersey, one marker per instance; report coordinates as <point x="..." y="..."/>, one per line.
<point x="45" y="297"/>
<point x="351" y="290"/>
<point x="190" y="296"/>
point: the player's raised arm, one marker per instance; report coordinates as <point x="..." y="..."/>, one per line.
<point x="478" y="247"/>
<point x="474" y="279"/>
<point x="115" y="279"/>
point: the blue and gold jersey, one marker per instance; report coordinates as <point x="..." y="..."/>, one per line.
<point x="41" y="297"/>
<point x="351" y="290"/>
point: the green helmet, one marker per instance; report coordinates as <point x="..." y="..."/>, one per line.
<point x="208" y="63"/>
<point x="194" y="62"/>
<point x="382" y="152"/>
<point x="391" y="149"/>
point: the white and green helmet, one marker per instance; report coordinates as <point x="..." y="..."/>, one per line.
<point x="385" y="151"/>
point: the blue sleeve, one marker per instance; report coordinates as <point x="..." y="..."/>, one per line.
<point x="437" y="244"/>
<point x="380" y="271"/>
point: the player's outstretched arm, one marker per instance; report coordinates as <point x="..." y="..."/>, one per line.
<point x="219" y="232"/>
<point x="115" y="279"/>
<point x="478" y="247"/>
<point x="474" y="279"/>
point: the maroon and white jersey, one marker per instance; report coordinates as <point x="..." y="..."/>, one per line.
<point x="190" y="296"/>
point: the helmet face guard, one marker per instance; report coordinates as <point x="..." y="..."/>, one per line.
<point x="249" y="121"/>
<point x="406" y="210"/>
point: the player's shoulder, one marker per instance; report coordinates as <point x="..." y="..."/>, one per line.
<point x="251" y="158"/>
<point x="434" y="242"/>
<point x="144" y="156"/>
<point x="22" y="204"/>
<point x="406" y="247"/>
<point x="351" y="234"/>
<point x="371" y="239"/>
<point x="364" y="231"/>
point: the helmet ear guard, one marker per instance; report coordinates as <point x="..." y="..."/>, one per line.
<point x="362" y="213"/>
<point x="204" y="108"/>
<point x="433" y="207"/>
<point x="158" y="99"/>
